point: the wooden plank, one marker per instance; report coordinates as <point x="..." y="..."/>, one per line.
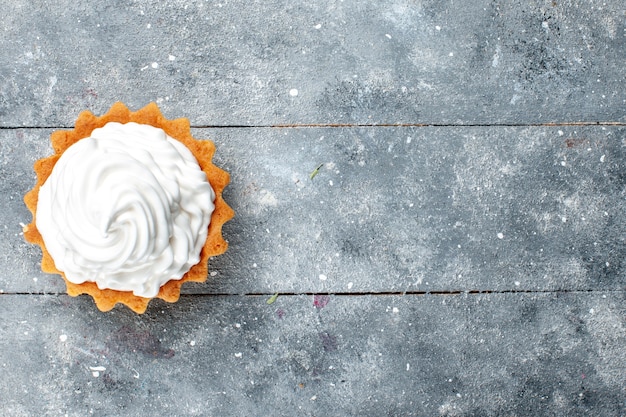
<point x="488" y="355"/>
<point x="391" y="210"/>
<point x="363" y="62"/>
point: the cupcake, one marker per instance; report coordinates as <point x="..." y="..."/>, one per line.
<point x="128" y="208"/>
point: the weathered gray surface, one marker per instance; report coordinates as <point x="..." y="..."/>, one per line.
<point x="392" y="209"/>
<point x="235" y="62"/>
<point x="379" y="259"/>
<point x="476" y="355"/>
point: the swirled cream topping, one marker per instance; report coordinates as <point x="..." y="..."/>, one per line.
<point x="127" y="208"/>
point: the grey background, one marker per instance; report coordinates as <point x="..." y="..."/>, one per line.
<point x="461" y="251"/>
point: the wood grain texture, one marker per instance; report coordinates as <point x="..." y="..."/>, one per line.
<point x="364" y="62"/>
<point x="487" y="355"/>
<point x="467" y="263"/>
<point x="392" y="210"/>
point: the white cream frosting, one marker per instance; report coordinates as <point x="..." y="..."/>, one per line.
<point x="127" y="208"/>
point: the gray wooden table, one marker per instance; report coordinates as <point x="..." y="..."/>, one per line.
<point x="461" y="252"/>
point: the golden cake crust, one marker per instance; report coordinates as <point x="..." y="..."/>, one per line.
<point x="178" y="129"/>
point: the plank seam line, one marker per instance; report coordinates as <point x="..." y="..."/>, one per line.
<point x="362" y="125"/>
<point x="361" y="294"/>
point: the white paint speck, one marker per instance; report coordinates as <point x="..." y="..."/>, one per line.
<point x="408" y="140"/>
<point x="95" y="370"/>
<point x="35" y="279"/>
<point x="254" y="265"/>
<point x="330" y="183"/>
<point x="603" y="158"/>
<point x="155" y="65"/>
<point x="388" y="36"/>
<point x="395" y="310"/>
<point x="350" y="285"/>
<point x="267" y="198"/>
<point x="591" y="311"/>
<point x="560" y="133"/>
<point x="545" y="25"/>
<point x="563" y="163"/>
<point x="63" y="338"/>
<point x="318" y="26"/>
<point x="564" y="219"/>
<point x="171" y="57"/>
<point x="451" y="54"/>
<point x="313" y="398"/>
<point x="438" y="27"/>
<point x="22" y="225"/>
<point x="293" y="92"/>
<point x="213" y="273"/>
<point x="517" y="283"/>
<point x="238" y="325"/>
<point x="408" y="366"/>
<point x="323" y="277"/>
<point x="192" y="343"/>
<point x="238" y="355"/>
<point x="148" y="25"/>
<point x="500" y="236"/>
<point x="495" y="60"/>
